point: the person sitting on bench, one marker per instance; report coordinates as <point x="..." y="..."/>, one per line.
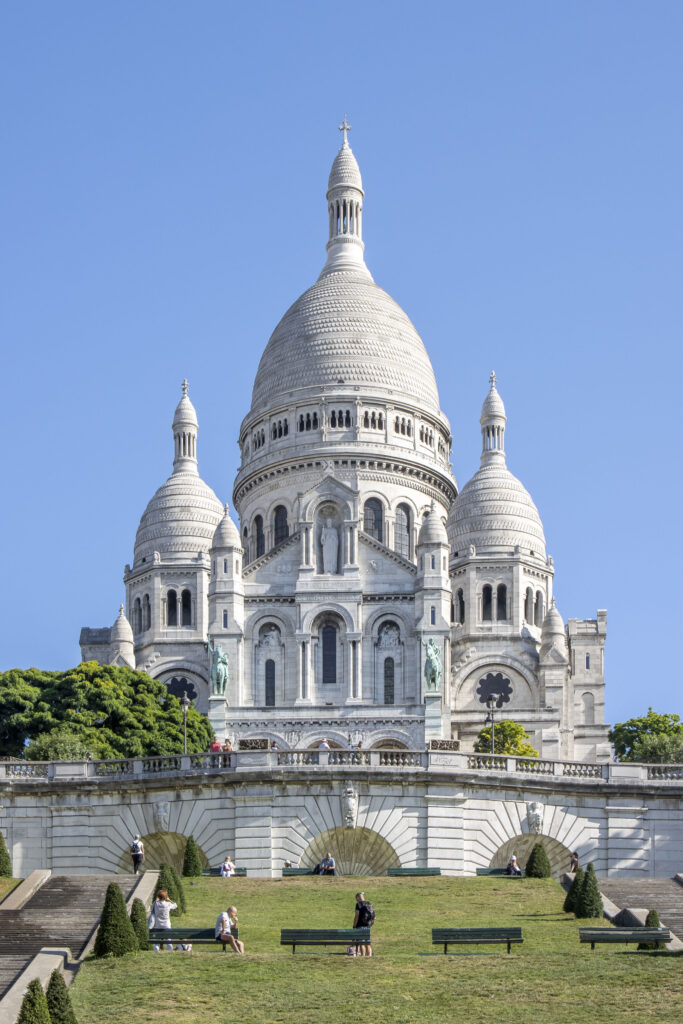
<point x="513" y="867"/>
<point x="226" y="929"/>
<point x="227" y="868"/>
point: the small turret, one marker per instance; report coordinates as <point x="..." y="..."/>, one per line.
<point x="185" y="427"/>
<point x="345" y="210"/>
<point x="121" y="642"/>
<point x="493" y="420"/>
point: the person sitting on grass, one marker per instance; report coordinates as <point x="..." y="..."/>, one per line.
<point x="226" y="930"/>
<point x="327" y="865"/>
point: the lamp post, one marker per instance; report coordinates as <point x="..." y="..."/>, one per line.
<point x="491" y="705"/>
<point x="185" y="703"/>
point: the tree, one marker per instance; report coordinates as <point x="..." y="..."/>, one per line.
<point x="625" y="736"/>
<point x="538" y="865"/>
<point x="115" y="935"/>
<point x="59" y="1000"/>
<point x="573" y="894"/>
<point x="34" y="1006"/>
<point x="180" y="889"/>
<point x="105" y="709"/>
<point x="5" y="861"/>
<point x="192" y="865"/>
<point x="168" y="882"/>
<point x="659" y="748"/>
<point x="138" y="919"/>
<point x="651" y="921"/>
<point x="589" y="901"/>
<point x="509" y="738"/>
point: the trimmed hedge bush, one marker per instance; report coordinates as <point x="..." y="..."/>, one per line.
<point x="589" y="900"/>
<point x="192" y="865"/>
<point x="652" y="921"/>
<point x="115" y="935"/>
<point x="138" y="919"/>
<point x="573" y="894"/>
<point x="180" y="889"/>
<point x="59" y="1000"/>
<point x="34" y="1007"/>
<point x="5" y="861"/>
<point x="538" y="865"/>
<point x="168" y="880"/>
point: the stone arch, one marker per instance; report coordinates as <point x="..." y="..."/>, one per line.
<point x="472" y="670"/>
<point x="357" y="851"/>
<point x="389" y="744"/>
<point x="162" y="848"/>
<point x="522" y="845"/>
<point x="328" y="608"/>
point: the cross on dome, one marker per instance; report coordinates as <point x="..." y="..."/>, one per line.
<point x="493" y="379"/>
<point x="345" y="127"/>
<point x="185" y="387"/>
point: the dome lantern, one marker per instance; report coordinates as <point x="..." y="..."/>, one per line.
<point x="185" y="427"/>
<point x="345" y="210"/>
<point x="493" y="420"/>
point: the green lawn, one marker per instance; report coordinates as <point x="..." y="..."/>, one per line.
<point x="550" y="979"/>
<point x="6" y="886"/>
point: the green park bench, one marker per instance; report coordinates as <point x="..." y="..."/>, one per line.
<point x="239" y="872"/>
<point x="397" y="872"/>
<point x="324" y="937"/>
<point x="289" y="872"/>
<point x="498" y="871"/>
<point x="195" y="936"/>
<point x="624" y="935"/>
<point x="475" y="936"/>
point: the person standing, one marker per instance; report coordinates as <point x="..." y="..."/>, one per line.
<point x="364" y="918"/>
<point x="574" y="861"/>
<point x="137" y="853"/>
<point x="226" y="929"/>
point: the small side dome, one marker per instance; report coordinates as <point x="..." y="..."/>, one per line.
<point x="121" y="631"/>
<point x="226" y="535"/>
<point x="493" y="407"/>
<point x="432" y="530"/>
<point x="185" y="414"/>
<point x="553" y="625"/>
<point x="345" y="172"/>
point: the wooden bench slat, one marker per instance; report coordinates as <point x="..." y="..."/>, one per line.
<point x="475" y="936"/>
<point x="394" y="872"/>
<point x="499" y="871"/>
<point x="239" y="872"/>
<point x="324" y="937"/>
<point x="286" y="872"/>
<point x="624" y="935"/>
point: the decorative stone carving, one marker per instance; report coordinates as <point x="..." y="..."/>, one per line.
<point x="220" y="675"/>
<point x="389" y="636"/>
<point x="349" y="807"/>
<point x="293" y="737"/>
<point x="534" y="817"/>
<point x="270" y="637"/>
<point x="329" y="540"/>
<point x="161" y="813"/>
<point x="433" y="668"/>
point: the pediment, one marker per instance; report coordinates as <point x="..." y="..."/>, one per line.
<point x="281" y="562"/>
<point x="330" y="489"/>
<point x="377" y="559"/>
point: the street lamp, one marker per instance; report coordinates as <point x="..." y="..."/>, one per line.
<point x="491" y="705"/>
<point x="185" y="703"/>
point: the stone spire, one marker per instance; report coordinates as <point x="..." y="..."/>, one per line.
<point x="185" y="427"/>
<point x="345" y="210"/>
<point x="493" y="420"/>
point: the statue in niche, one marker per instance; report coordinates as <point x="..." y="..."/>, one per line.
<point x="220" y="674"/>
<point x="350" y="807"/>
<point x="389" y="636"/>
<point x="161" y="813"/>
<point x="534" y="817"/>
<point x="433" y="667"/>
<point x="270" y="638"/>
<point x="329" y="540"/>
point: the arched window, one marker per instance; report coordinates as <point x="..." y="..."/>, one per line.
<point x="432" y="616"/>
<point x="172" y="608"/>
<point x="329" y="646"/>
<point x="588" y="708"/>
<point x="388" y="680"/>
<point x="137" y="616"/>
<point x="260" y="538"/>
<point x="315" y="421"/>
<point x="461" y="606"/>
<point x="270" y="683"/>
<point x="146" y="613"/>
<point x="486" y="604"/>
<point x="285" y="428"/>
<point x="372" y="518"/>
<point x="529" y="606"/>
<point x="366" y="420"/>
<point x="245" y="543"/>
<point x="373" y="421"/>
<point x="274" y="432"/>
<point x="433" y="562"/>
<point x="501" y="602"/>
<point x="380" y="421"/>
<point x="281" y="525"/>
<point x="301" y="422"/>
<point x="308" y="421"/>
<point x="402" y="531"/>
<point x="186" y="608"/>
<point x="397" y="425"/>
<point x="538" y="611"/>
<point x="408" y="428"/>
<point x="347" y="418"/>
<point x="225" y="620"/>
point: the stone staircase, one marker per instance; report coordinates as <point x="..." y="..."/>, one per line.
<point x="661" y="894"/>
<point x="10" y="968"/>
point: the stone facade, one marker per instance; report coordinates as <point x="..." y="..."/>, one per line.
<point x="354" y="551"/>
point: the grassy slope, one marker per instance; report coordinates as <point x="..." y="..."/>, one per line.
<point x="6" y="886"/>
<point x="550" y="979"/>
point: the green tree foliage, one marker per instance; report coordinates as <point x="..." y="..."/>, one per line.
<point x="509" y="738"/>
<point x="660" y="748"/>
<point x="59" y="1000"/>
<point x="589" y="900"/>
<point x="34" y="1006"/>
<point x="169" y="881"/>
<point x="192" y="865"/>
<point x="5" y="861"/>
<point x="115" y="935"/>
<point x="180" y="889"/>
<point x="108" y="710"/>
<point x="652" y="921"/>
<point x="138" y="919"/>
<point x="627" y="736"/>
<point x="538" y="865"/>
<point x="573" y="893"/>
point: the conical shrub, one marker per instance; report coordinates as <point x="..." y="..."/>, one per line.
<point x="589" y="900"/>
<point x="115" y="935"/>
<point x="138" y="918"/>
<point x="180" y="889"/>
<point x="5" y="861"/>
<point x="168" y="880"/>
<point x="34" y="1006"/>
<point x="573" y="893"/>
<point x="651" y="921"/>
<point x="59" y="1000"/>
<point x="192" y="865"/>
<point x="538" y="865"/>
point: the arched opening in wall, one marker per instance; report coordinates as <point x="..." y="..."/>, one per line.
<point x="388" y="680"/>
<point x="460" y="607"/>
<point x="328" y="642"/>
<point x="588" y="702"/>
<point x="357" y="851"/>
<point x="372" y="518"/>
<point x="538" y="610"/>
<point x="171" y="608"/>
<point x="146" y="613"/>
<point x="270" y="683"/>
<point x="389" y="745"/>
<point x="162" y="848"/>
<point x="502" y="602"/>
<point x="280" y="524"/>
<point x="558" y="854"/>
<point x="260" y="536"/>
<point x="137" y="616"/>
<point x="245" y="544"/>
<point x="186" y="608"/>
<point x="487" y="603"/>
<point x="402" y="531"/>
<point x="529" y="606"/>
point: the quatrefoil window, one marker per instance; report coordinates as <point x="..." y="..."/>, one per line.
<point x="495" y="683"/>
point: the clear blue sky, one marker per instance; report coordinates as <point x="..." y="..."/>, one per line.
<point x="163" y="176"/>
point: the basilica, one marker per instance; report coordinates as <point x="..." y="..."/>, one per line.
<point x="355" y="595"/>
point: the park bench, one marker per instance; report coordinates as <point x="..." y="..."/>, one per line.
<point x="475" y="936"/>
<point x="288" y="872"/>
<point x="625" y="935"/>
<point x="196" y="936"/>
<point x="396" y="872"/>
<point x="239" y="872"/>
<point x="324" y="937"/>
<point x="498" y="871"/>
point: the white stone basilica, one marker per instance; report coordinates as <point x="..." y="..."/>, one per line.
<point x="355" y="550"/>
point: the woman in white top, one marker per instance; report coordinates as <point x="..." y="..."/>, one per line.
<point x="161" y="912"/>
<point x="227" y="868"/>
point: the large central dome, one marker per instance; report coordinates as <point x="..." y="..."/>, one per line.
<point x="345" y="330"/>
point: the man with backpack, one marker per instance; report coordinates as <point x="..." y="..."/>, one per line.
<point x="365" y="918"/>
<point x="137" y="853"/>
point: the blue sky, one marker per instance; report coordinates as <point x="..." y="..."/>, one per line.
<point x="162" y="204"/>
